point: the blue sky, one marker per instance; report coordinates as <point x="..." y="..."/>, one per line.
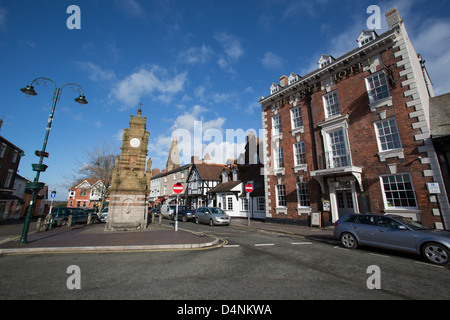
<point x="185" y="60"/>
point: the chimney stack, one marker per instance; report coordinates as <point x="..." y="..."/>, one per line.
<point x="393" y="18"/>
<point x="284" y="81"/>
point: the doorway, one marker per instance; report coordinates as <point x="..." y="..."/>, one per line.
<point x="345" y="203"/>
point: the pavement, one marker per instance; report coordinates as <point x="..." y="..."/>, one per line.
<point x="94" y="238"/>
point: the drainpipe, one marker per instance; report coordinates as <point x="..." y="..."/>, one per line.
<point x="311" y="129"/>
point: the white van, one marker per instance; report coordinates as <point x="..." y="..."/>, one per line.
<point x="168" y="211"/>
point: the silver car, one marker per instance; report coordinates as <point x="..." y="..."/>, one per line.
<point x="212" y="216"/>
<point x="393" y="232"/>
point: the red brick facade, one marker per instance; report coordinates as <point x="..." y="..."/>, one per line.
<point x="364" y="156"/>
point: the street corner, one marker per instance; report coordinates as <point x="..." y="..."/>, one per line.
<point x="94" y="238"/>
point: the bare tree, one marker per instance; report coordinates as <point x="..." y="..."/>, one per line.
<point x="97" y="163"/>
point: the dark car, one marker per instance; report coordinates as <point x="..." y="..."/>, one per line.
<point x="393" y="232"/>
<point x="185" y="213"/>
<point x="60" y="216"/>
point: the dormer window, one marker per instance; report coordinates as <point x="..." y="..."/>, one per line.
<point x="274" y="88"/>
<point x="366" y="36"/>
<point x="224" y="176"/>
<point x="293" y="78"/>
<point x="325" y="60"/>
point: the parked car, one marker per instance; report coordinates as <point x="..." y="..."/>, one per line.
<point x="60" y="216"/>
<point x="168" y="211"/>
<point x="93" y="213"/>
<point x="103" y="215"/>
<point x="393" y="232"/>
<point x="185" y="213"/>
<point x="212" y="216"/>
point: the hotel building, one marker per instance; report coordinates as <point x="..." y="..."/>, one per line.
<point x="353" y="136"/>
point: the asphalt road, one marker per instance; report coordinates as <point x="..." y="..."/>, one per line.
<point x="252" y="265"/>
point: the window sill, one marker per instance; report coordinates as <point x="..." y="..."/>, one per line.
<point x="278" y="136"/>
<point x="391" y="154"/>
<point x="303" y="210"/>
<point x="412" y="213"/>
<point x="380" y="103"/>
<point x="281" y="210"/>
<point x="298" y="130"/>
<point x="278" y="171"/>
<point x="301" y="167"/>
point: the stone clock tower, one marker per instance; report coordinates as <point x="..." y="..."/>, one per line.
<point x="130" y="179"/>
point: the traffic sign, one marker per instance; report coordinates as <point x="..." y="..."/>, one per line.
<point x="178" y="188"/>
<point x="249" y="188"/>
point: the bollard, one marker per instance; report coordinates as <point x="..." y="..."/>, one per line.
<point x="38" y="225"/>
<point x="153" y="217"/>
<point x="69" y="223"/>
<point x="160" y="218"/>
<point x="89" y="221"/>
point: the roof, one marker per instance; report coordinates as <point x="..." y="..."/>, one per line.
<point x="317" y="73"/>
<point x="225" y="186"/>
<point x="209" y="171"/>
<point x="162" y="174"/>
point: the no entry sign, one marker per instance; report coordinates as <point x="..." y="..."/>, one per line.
<point x="248" y="188"/>
<point x="178" y="188"/>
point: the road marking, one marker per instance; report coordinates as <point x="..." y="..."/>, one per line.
<point x="300" y="243"/>
<point x="379" y="255"/>
<point x="337" y="247"/>
<point x="264" y="244"/>
<point x="428" y="264"/>
<point x="231" y="246"/>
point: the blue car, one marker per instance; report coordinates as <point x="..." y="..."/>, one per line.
<point x="393" y="232"/>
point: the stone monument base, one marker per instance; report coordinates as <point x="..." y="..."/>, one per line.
<point x="126" y="212"/>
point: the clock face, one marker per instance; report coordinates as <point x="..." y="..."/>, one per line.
<point x="135" y="142"/>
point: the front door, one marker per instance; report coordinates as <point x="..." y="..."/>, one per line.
<point x="345" y="202"/>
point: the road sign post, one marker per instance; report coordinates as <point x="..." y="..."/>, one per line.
<point x="248" y="189"/>
<point x="177" y="188"/>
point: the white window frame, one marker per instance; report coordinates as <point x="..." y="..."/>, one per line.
<point x="374" y="100"/>
<point x="345" y="145"/>
<point x="281" y="195"/>
<point x="392" y="135"/>
<point x="296" y="119"/>
<point x="279" y="158"/>
<point x="230" y="203"/>
<point x="331" y="97"/>
<point x="299" y="151"/>
<point x="300" y="194"/>
<point x="245" y="204"/>
<point x="276" y="125"/>
<point x="387" y="206"/>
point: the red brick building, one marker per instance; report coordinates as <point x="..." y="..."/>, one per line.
<point x="353" y="136"/>
<point x="86" y="194"/>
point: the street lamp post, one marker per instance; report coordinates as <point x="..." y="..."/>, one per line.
<point x="35" y="186"/>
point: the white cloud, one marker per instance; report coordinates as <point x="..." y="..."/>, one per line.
<point x="433" y="43"/>
<point x="148" y="81"/>
<point x="95" y="72"/>
<point x="232" y="48"/>
<point x="271" y="61"/>
<point x="196" y="55"/>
